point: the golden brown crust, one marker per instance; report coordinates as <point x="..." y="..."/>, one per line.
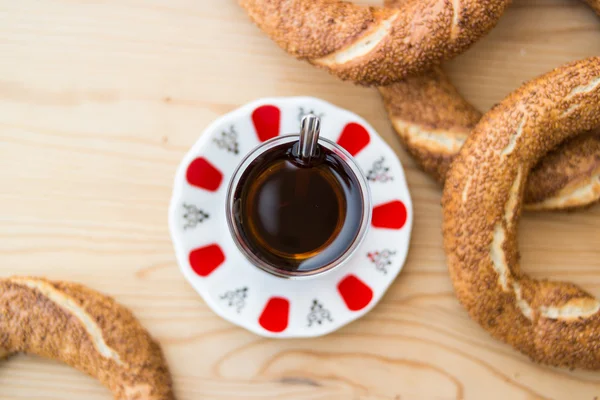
<point x="375" y="45"/>
<point x="560" y="179"/>
<point x="87" y="330"/>
<point x="554" y="323"/>
<point x="433" y="120"/>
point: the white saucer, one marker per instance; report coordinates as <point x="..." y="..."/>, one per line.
<point x="242" y="293"/>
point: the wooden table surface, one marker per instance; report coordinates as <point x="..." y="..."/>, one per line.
<point x="100" y="99"/>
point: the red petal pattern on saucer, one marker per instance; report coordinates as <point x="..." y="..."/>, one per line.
<point x="266" y="120"/>
<point x="218" y="271"/>
<point x="354" y="138"/>
<point x="356" y="294"/>
<point x="203" y="174"/>
<point x="275" y="315"/>
<point x="390" y="215"/>
<point x="205" y="260"/>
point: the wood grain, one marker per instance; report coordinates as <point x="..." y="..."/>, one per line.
<point x="100" y="99"/>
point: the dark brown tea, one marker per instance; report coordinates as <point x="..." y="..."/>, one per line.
<point x="295" y="215"/>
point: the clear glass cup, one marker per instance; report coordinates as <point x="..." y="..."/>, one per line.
<point x="235" y="208"/>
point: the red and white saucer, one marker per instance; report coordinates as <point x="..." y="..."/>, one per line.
<point x="246" y="295"/>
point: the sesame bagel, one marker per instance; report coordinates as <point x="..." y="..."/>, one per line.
<point x="433" y="121"/>
<point x="375" y="45"/>
<point x="89" y="331"/>
<point x="554" y="323"/>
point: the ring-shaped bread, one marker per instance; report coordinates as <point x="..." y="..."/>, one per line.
<point x="86" y="330"/>
<point x="433" y="120"/>
<point x="554" y="323"/>
<point x="375" y="45"/>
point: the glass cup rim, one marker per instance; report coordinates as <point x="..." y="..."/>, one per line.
<point x="267" y="267"/>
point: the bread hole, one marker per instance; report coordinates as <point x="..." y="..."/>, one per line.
<point x="552" y="247"/>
